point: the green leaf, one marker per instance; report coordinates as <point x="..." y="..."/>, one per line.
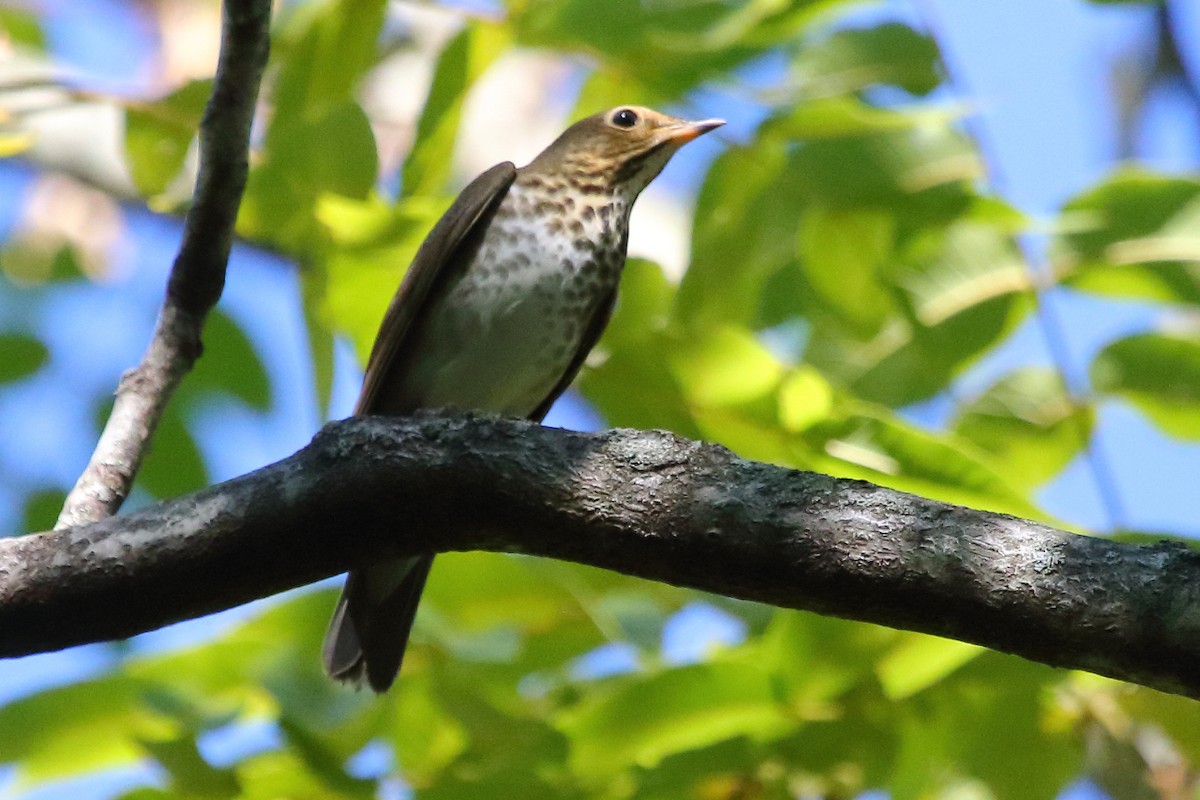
<point x="745" y="223"/>
<point x="923" y="175"/>
<point x="20" y="356"/>
<point x="475" y="592"/>
<point x="643" y="719"/>
<point x="965" y="288"/>
<point x="464" y="59"/>
<point x="190" y="774"/>
<point x="853" y="59"/>
<point x="377" y="244"/>
<point x="643" y="306"/>
<point x="609" y="86"/>
<point x="995" y="709"/>
<point x="323" y="50"/>
<point x="842" y="117"/>
<point x="42" y="508"/>
<point x="158" y="135"/>
<point x="1133" y="235"/>
<point x="1179" y="719"/>
<point x="30" y="261"/>
<point x="230" y="364"/>
<point x="174" y="465"/>
<point x="73" y="729"/>
<point x="321" y="759"/>
<point x="726" y="366"/>
<point x="508" y="751"/>
<point x="330" y="151"/>
<point x="805" y="398"/>
<point x="314" y="288"/>
<point x="723" y="770"/>
<point x="669" y="46"/>
<point x="843" y="254"/>
<point x="870" y="444"/>
<point x="1029" y="424"/>
<point x="22" y="28"/>
<point x="634" y="387"/>
<point x="1159" y="374"/>
<point x="817" y="659"/>
<point x="919" y="661"/>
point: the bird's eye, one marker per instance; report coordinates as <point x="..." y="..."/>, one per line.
<point x="625" y="118"/>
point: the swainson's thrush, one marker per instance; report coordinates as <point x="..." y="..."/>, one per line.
<point x="497" y="312"/>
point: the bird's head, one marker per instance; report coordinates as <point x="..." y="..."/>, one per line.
<point x="621" y="149"/>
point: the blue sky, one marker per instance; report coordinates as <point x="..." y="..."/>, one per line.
<point x="1036" y="70"/>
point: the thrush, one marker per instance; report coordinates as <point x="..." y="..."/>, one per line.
<point x="504" y="299"/>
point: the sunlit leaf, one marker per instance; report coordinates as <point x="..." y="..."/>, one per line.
<point x="70" y="730"/>
<point x="362" y="275"/>
<point x="839" y="117"/>
<point x="22" y="27"/>
<point x="30" y="261"/>
<point x="158" y="135"/>
<point x="726" y="366"/>
<point x="464" y="59"/>
<point x="670" y="46"/>
<point x="1159" y="374"/>
<point x="1029" y="423"/>
<point x="852" y="59"/>
<point x="918" y="662"/>
<point x="321" y="759"/>
<point x="805" y="398"/>
<point x="608" y="87"/>
<point x="746" y="218"/>
<point x="965" y="287"/>
<point x="877" y="447"/>
<point x="643" y="719"/>
<point x="1136" y="235"/>
<point x="634" y="386"/>
<point x="324" y="49"/>
<point x="329" y="151"/>
<point x="924" y="174"/>
<point x="843" y="254"/>
<point x="726" y="769"/>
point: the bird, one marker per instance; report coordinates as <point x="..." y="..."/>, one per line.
<point x="504" y="299"/>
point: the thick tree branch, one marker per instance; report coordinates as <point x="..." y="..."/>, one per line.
<point x="643" y="503"/>
<point x="198" y="275"/>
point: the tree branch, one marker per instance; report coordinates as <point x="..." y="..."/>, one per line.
<point x="197" y="276"/>
<point x="643" y="503"/>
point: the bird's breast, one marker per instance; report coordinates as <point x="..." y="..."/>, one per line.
<point x="502" y="337"/>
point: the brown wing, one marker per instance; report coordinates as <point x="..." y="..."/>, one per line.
<point x="437" y="261"/>
<point x="371" y="624"/>
<point x="596" y="326"/>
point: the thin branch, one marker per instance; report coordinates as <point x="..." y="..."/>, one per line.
<point x="644" y="503"/>
<point x="198" y="275"/>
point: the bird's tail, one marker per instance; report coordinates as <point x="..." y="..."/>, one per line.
<point x="372" y="621"/>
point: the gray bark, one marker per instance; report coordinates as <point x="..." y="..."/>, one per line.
<point x="644" y="503"/>
<point x="197" y="276"/>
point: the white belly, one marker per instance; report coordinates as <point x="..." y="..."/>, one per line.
<point x="504" y="336"/>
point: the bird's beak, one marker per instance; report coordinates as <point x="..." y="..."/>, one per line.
<point x="684" y="132"/>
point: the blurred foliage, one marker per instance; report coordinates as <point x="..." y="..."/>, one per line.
<point x="848" y="260"/>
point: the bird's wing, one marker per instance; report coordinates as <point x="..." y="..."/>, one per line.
<point x="371" y="624"/>
<point x="591" y="335"/>
<point x="436" y="262"/>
